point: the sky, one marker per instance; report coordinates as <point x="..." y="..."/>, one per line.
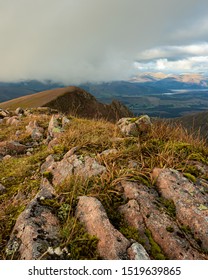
<point x="75" y="41"/>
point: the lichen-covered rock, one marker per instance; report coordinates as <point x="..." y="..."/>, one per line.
<point x="55" y="126"/>
<point x="11" y="148"/>
<point x="112" y="245"/>
<point x="191" y="201"/>
<point x="72" y="164"/>
<point x="137" y="252"/>
<point x="36" y="229"/>
<point x="145" y="212"/>
<point x="35" y="130"/>
<point x="135" y="126"/>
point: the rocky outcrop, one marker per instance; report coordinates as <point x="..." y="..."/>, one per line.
<point x="191" y="202"/>
<point x="135" y="126"/>
<point x="35" y="130"/>
<point x="72" y="165"/>
<point x="12" y="121"/>
<point x="145" y="212"/>
<point x="36" y="229"/>
<point x="112" y="245"/>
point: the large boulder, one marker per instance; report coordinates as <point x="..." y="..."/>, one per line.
<point x="135" y="126"/>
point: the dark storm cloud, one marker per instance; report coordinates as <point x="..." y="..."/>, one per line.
<point x="88" y="40"/>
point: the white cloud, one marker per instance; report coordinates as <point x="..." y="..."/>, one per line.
<point x="199" y="49"/>
<point x="191" y="64"/>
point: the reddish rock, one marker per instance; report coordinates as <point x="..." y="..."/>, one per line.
<point x="191" y="203"/>
<point x="112" y="244"/>
<point x="144" y="211"/>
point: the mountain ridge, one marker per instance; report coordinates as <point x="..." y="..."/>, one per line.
<point x="71" y="100"/>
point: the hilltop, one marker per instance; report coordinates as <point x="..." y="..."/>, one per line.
<point x="77" y="188"/>
<point x="71" y="100"/>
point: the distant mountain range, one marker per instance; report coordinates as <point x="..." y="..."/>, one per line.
<point x="170" y="81"/>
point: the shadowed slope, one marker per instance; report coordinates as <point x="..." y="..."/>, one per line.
<point x="71" y="100"/>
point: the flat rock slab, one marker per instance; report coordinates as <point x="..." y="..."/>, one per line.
<point x="36" y="229"/>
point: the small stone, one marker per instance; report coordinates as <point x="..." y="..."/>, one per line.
<point x="137" y="252"/>
<point x="58" y="251"/>
<point x="7" y="157"/>
<point x="2" y="189"/>
<point x="19" y="111"/>
<point x="109" y="152"/>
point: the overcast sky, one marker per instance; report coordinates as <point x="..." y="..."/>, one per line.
<point x="73" y="41"/>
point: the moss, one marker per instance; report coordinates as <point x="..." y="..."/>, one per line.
<point x="155" y="250"/>
<point x="168" y="205"/>
<point x="186" y="230"/>
<point x="170" y="229"/>
<point x="48" y="175"/>
<point x="190" y="177"/>
<point x="131" y="233"/>
<point x="80" y="245"/>
<point x="193" y="170"/>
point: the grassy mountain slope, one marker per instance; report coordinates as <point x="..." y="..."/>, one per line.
<point x="197" y="123"/>
<point x="164" y="147"/>
<point x="71" y="100"/>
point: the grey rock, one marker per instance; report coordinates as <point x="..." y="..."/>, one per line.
<point x="35" y="130"/>
<point x="72" y="165"/>
<point x="135" y="126"/>
<point x="137" y="252"/>
<point x="36" y="229"/>
<point x="11" y="148"/>
<point x="19" y="111"/>
<point x="55" y="126"/>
